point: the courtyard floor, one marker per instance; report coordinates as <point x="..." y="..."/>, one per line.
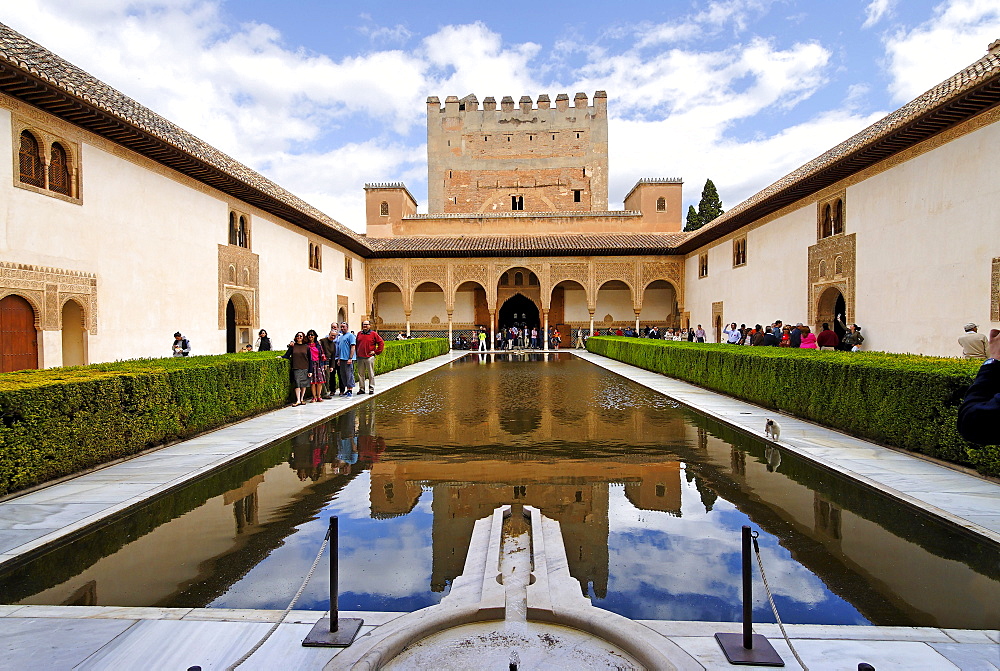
<point x="60" y="637"/>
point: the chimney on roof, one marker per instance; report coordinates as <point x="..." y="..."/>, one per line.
<point x="994" y="48"/>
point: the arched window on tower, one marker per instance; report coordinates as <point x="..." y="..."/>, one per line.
<point x="242" y="237"/>
<point x="59" y="171"/>
<point x="383" y="209"/>
<point x="30" y="155"/>
<point x="518" y="279"/>
<point x="661" y="204"/>
<point x="516" y="203"/>
<point x="504" y="280"/>
<point x="233" y="237"/>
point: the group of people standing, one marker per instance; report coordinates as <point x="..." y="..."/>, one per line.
<point x="330" y="362"/>
<point x="518" y="336"/>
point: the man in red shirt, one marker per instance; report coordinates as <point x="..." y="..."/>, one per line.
<point x="827" y="339"/>
<point x="369" y="345"/>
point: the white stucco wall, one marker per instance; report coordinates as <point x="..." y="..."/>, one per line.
<point x="927" y="233"/>
<point x="771" y="285"/>
<point x="152" y="240"/>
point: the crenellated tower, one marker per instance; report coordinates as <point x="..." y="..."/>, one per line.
<point x="519" y="157"/>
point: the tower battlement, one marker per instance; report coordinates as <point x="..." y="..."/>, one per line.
<point x="525" y="105"/>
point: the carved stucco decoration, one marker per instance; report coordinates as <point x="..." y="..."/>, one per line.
<point x="239" y="276"/>
<point x="835" y="253"/>
<point x="48" y="289"/>
<point x="995" y="292"/>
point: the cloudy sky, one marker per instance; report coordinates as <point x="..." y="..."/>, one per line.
<point x="322" y="96"/>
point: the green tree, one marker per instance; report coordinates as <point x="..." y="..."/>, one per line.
<point x="709" y="207"/>
<point x="693" y="224"/>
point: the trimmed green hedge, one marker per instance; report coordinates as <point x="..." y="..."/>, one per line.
<point x="903" y="400"/>
<point x="60" y="421"/>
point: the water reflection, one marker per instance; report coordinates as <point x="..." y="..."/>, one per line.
<point x="650" y="498"/>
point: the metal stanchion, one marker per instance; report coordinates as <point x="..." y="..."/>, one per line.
<point x="333" y="631"/>
<point x="748" y="647"/>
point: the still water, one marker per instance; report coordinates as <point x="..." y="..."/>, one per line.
<point x="651" y="498"/>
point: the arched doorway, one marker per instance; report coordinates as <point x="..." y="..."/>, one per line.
<point x="519" y="311"/>
<point x="74" y="335"/>
<point x="18" y="336"/>
<point x="831" y="304"/>
<point x="237" y="323"/>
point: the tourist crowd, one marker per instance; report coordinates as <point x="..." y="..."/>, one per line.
<point x="775" y="334"/>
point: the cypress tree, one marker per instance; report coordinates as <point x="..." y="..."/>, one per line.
<point x="710" y="206"/>
<point x="692" y="220"/>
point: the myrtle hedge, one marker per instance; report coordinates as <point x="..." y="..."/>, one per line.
<point x="902" y="400"/>
<point x="59" y="421"/>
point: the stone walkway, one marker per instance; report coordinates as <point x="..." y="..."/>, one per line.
<point x="966" y="500"/>
<point x="97" y="637"/>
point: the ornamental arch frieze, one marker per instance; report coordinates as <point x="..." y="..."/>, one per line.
<point x="671" y="272"/>
<point x="581" y="273"/>
<point x="48" y="289"/>
<point x="832" y="270"/>
<point x="589" y="272"/>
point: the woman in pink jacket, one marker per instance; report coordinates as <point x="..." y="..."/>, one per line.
<point x="808" y="338"/>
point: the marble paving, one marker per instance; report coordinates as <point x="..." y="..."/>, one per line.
<point x="33" y="520"/>
<point x="104" y="637"/>
<point x="961" y="498"/>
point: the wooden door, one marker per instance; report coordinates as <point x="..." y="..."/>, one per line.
<point x="18" y="338"/>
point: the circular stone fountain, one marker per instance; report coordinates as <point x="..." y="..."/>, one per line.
<point x="490" y="645"/>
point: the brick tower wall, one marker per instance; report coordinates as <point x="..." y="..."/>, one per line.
<point x="554" y="157"/>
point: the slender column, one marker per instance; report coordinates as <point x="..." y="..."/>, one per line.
<point x="545" y="328"/>
<point x="493" y="322"/>
<point x="450" y="339"/>
<point x="636" y="322"/>
<point x="591" y="331"/>
<point x="407" y="324"/>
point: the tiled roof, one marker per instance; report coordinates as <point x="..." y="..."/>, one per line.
<point x="971" y="91"/>
<point x="19" y="56"/>
<point x="527" y="245"/>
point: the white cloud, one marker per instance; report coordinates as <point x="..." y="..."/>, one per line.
<point x="715" y="17"/>
<point x="875" y="10"/>
<point x="954" y="37"/>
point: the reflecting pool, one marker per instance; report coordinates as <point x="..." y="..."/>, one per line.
<point x="650" y="496"/>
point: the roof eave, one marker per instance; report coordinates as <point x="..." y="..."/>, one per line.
<point x="52" y="99"/>
<point x="940" y="118"/>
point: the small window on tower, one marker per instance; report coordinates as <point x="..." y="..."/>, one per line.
<point x="383" y="209"/>
<point x="517" y="203"/>
<point x="577" y="195"/>
<point x="661" y="204"/>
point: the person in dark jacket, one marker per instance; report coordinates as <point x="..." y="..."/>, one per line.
<point x="979" y="415"/>
<point x="795" y="336"/>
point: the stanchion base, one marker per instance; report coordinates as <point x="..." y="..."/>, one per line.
<point x="762" y="653"/>
<point x="322" y="637"/>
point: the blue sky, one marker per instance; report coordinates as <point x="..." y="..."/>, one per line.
<point x="324" y="96"/>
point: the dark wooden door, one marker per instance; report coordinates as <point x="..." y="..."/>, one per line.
<point x="18" y="338"/>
